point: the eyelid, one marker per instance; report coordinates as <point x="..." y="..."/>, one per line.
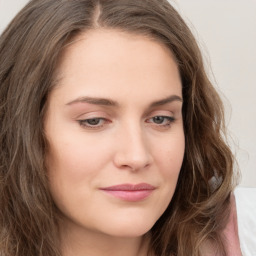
<point x="98" y="113"/>
<point x="92" y="114"/>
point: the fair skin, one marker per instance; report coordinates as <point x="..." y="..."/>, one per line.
<point x="114" y="118"/>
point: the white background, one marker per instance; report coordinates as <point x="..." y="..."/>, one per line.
<point x="226" y="31"/>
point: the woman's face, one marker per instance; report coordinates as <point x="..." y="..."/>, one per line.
<point x="115" y="132"/>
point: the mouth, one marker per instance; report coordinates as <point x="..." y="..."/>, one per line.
<point x="130" y="192"/>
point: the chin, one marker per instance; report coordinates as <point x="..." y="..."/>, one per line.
<point x="130" y="229"/>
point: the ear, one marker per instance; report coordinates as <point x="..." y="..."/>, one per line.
<point x="215" y="182"/>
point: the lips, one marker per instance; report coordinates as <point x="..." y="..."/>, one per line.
<point x="130" y="192"/>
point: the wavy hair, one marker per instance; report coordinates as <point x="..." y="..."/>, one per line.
<point x="30" y="49"/>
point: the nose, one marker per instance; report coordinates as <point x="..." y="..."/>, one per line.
<point x="132" y="150"/>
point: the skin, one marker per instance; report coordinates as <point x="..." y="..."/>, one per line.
<point x="131" y="140"/>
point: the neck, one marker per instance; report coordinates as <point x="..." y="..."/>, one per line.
<point x="81" y="242"/>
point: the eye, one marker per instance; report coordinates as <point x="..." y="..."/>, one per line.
<point x="161" y="120"/>
<point x="93" y="123"/>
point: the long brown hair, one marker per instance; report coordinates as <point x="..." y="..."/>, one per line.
<point x="30" y="48"/>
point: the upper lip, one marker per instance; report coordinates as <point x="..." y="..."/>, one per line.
<point x="130" y="187"/>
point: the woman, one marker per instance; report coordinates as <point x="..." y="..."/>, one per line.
<point x="111" y="135"/>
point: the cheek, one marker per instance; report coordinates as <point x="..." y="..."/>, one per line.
<point x="169" y="159"/>
<point x="170" y="156"/>
<point x="75" y="159"/>
<point x="72" y="170"/>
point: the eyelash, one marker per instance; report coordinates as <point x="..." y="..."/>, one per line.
<point x="85" y="122"/>
<point x="167" y="120"/>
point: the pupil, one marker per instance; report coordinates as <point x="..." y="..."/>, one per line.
<point x="158" y="119"/>
<point x="93" y="121"/>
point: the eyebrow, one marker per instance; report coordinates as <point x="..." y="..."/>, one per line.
<point x="112" y="103"/>
<point x="94" y="101"/>
<point x="166" y="101"/>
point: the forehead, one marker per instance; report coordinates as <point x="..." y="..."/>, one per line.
<point x="116" y="63"/>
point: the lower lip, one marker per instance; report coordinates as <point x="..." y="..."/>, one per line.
<point x="131" y="196"/>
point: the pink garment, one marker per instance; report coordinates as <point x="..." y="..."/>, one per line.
<point x="231" y="231"/>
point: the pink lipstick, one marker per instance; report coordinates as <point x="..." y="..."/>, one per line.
<point x="130" y="192"/>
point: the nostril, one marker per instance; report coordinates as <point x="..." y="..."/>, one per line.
<point x="132" y="161"/>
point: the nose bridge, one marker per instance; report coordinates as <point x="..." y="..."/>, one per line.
<point x="133" y="150"/>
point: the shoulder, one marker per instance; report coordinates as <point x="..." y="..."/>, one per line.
<point x="231" y="231"/>
<point x="230" y="234"/>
